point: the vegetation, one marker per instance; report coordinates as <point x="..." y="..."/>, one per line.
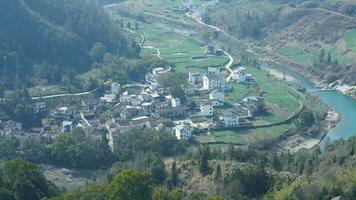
<point x="41" y="40"/>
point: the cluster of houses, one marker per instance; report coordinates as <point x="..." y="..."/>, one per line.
<point x="213" y="81"/>
<point x="241" y="76"/>
<point x="141" y="106"/>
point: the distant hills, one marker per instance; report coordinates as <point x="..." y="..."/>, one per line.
<point x="305" y="32"/>
<point x="57" y="32"/>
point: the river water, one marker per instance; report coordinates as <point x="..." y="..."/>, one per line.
<point x="344" y="105"/>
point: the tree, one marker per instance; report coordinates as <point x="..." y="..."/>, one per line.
<point x="218" y="172"/>
<point x="8" y="148"/>
<point x="136" y="26"/>
<point x="27" y="181"/>
<point x="276" y="163"/>
<point x="173" y="179"/>
<point x="322" y="56"/>
<point x="164" y="194"/>
<point x="203" y="160"/>
<point x="32" y="150"/>
<point x="157" y="169"/>
<point x="131" y="184"/>
<point x="328" y="60"/>
<point x="97" y="52"/>
<point x="306" y="119"/>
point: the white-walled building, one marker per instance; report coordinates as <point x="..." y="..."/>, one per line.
<point x="206" y="109"/>
<point x="183" y="132"/>
<point x="241" y="76"/>
<point x="217" y="97"/>
<point x="67" y="126"/>
<point x="141" y="122"/>
<point x="115" y="88"/>
<point x="39" y="107"/>
<point x="175" y="102"/>
<point x="231" y="118"/>
<point x="214" y="80"/>
<point x="108" y="98"/>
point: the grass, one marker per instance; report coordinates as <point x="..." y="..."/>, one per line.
<point x="276" y="95"/>
<point x="239" y="91"/>
<point x="350" y="38"/>
<point x="296" y="54"/>
<point x="222" y="136"/>
<point x="244" y="136"/>
<point x="335" y="54"/>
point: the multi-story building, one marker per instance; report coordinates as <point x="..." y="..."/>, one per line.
<point x="183" y="132"/>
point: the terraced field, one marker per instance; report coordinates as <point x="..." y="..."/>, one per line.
<point x="296" y="54"/>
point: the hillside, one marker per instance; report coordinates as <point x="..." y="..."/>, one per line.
<point x="59" y="33"/>
<point x="297" y="31"/>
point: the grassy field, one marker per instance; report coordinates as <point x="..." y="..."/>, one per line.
<point x="350" y="38"/>
<point x="182" y="51"/>
<point x="239" y="91"/>
<point x="296" y="54"/>
<point x="244" y="136"/>
<point x="276" y="95"/>
<point x="222" y="136"/>
<point x="335" y="54"/>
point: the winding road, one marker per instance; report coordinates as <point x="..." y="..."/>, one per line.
<point x="54" y="96"/>
<point x="228" y="66"/>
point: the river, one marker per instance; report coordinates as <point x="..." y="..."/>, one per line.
<point x="344" y="105"/>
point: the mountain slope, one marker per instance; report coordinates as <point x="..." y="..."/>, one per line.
<point x="59" y="32"/>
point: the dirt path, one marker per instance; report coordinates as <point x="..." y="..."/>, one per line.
<point x="228" y="66"/>
<point x="328" y="11"/>
<point x="54" y="96"/>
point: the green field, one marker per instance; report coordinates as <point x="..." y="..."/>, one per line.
<point x="244" y="136"/>
<point x="335" y="54"/>
<point x="182" y="51"/>
<point x="350" y="38"/>
<point x="222" y="136"/>
<point x="296" y="54"/>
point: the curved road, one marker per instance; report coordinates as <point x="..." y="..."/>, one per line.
<point x="228" y="66"/>
<point x="54" y="96"/>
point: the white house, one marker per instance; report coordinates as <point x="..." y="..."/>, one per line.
<point x="115" y="88"/>
<point x="214" y="80"/>
<point x="183" y="132"/>
<point x="175" y="102"/>
<point x="141" y="122"/>
<point x="108" y="98"/>
<point x="217" y="98"/>
<point x="253" y="103"/>
<point x="231" y="118"/>
<point x="206" y="109"/>
<point x="67" y="126"/>
<point x="39" y="107"/>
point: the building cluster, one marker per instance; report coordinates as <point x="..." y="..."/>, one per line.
<point x="139" y="106"/>
<point x="213" y="81"/>
<point x="241" y="76"/>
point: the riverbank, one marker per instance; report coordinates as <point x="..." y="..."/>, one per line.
<point x="302" y="141"/>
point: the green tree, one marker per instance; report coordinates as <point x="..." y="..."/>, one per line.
<point x="306" y="119"/>
<point x="328" y="60"/>
<point x="217" y="175"/>
<point x="27" y="182"/>
<point x="8" y="148"/>
<point x="32" y="150"/>
<point x="203" y="160"/>
<point x="131" y="184"/>
<point x="173" y="179"/>
<point x="322" y="56"/>
<point x="97" y="52"/>
<point x="157" y="169"/>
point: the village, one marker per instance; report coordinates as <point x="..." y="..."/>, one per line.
<point x="149" y="105"/>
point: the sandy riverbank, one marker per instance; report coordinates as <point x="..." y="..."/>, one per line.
<point x="298" y="142"/>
